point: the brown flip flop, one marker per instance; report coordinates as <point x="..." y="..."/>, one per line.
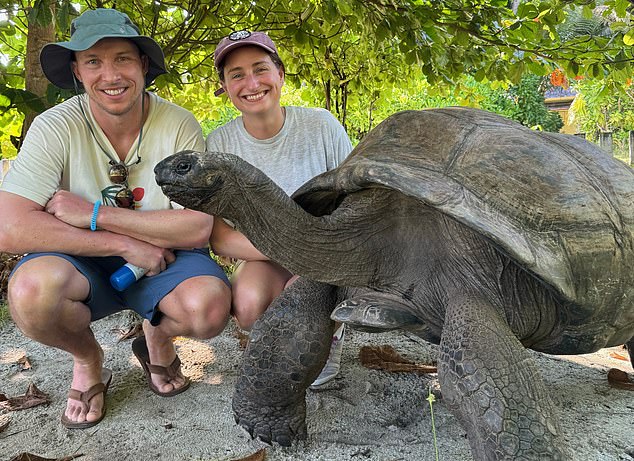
<point x="139" y="348"/>
<point x="86" y="397"/>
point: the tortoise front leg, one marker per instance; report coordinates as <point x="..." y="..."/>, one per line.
<point x="491" y="384"/>
<point x="287" y="348"/>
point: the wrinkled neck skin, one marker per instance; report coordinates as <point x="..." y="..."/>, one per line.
<point x="358" y="245"/>
<point x="315" y="247"/>
<point x="310" y="246"/>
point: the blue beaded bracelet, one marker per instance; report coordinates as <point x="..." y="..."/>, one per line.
<point x="93" y="220"/>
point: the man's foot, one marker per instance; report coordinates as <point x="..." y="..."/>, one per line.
<point x="331" y="368"/>
<point x="88" y="377"/>
<point x="163" y="380"/>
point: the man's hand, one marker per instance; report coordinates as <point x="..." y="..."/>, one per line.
<point x="70" y="208"/>
<point x="148" y="256"/>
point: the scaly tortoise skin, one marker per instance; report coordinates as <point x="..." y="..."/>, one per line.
<point x="457" y="224"/>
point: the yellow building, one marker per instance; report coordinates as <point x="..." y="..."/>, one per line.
<point x="558" y="100"/>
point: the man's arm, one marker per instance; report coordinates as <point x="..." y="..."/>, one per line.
<point x="163" y="228"/>
<point x="26" y="227"/>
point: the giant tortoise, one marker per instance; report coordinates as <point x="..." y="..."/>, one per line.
<point x="457" y="224"/>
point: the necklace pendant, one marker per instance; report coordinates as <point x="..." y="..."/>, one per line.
<point x="118" y="173"/>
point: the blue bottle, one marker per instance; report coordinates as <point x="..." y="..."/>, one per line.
<point x="125" y="276"/>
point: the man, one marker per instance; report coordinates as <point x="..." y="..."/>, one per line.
<point x="96" y="149"/>
<point x="290" y="144"/>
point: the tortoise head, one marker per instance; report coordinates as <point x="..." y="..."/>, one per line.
<point x="200" y="181"/>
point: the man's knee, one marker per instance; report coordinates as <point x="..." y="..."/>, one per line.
<point x="210" y="309"/>
<point x="32" y="290"/>
<point x="35" y="296"/>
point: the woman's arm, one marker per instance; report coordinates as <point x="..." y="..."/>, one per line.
<point x="228" y="242"/>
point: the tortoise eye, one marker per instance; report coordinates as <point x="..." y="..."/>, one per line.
<point x="183" y="167"/>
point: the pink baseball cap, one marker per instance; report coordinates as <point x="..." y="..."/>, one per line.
<point x="237" y="39"/>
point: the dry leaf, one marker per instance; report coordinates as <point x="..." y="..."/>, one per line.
<point x="616" y="355"/>
<point x="32" y="457"/>
<point x="386" y="358"/>
<point x="619" y="379"/>
<point x="24" y="361"/>
<point x="32" y="398"/>
<point x="4" y="422"/>
<point x="133" y="332"/>
<point x="257" y="456"/>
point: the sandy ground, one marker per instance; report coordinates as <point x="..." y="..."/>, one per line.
<point x="362" y="415"/>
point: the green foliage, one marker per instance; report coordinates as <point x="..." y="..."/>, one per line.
<point x="356" y="58"/>
<point x="218" y="116"/>
<point x="524" y="102"/>
<point x="599" y="107"/>
<point x="431" y="398"/>
<point x="13" y="98"/>
<point x="5" y="317"/>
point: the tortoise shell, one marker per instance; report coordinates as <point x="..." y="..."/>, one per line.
<point x="556" y="204"/>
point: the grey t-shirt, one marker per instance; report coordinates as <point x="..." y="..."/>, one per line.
<point x="310" y="142"/>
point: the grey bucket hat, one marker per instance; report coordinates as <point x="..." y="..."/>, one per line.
<point x="88" y="29"/>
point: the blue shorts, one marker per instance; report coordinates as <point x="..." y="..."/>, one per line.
<point x="143" y="296"/>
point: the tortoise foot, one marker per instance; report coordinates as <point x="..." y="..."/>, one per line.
<point x="281" y="424"/>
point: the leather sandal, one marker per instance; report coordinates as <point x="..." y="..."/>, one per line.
<point x="85" y="398"/>
<point x="140" y="350"/>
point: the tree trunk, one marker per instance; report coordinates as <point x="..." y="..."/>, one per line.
<point x="35" y="81"/>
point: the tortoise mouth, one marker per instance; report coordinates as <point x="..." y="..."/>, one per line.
<point x="180" y="194"/>
<point x="194" y="198"/>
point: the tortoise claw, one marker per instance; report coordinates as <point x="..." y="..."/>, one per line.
<point x="272" y="425"/>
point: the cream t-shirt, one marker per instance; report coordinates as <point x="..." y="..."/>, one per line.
<point x="59" y="152"/>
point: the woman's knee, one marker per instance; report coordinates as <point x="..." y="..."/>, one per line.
<point x="248" y="306"/>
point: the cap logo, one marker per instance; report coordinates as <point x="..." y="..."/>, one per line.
<point x="239" y="35"/>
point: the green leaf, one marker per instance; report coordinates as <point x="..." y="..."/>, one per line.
<point x="291" y="30"/>
<point x="63" y="16"/>
<point x="330" y="11"/>
<point x="480" y="75"/>
<point x="572" y="68"/>
<point x="628" y="38"/>
<point x="301" y="37"/>
<point x="621" y="7"/>
<point x="41" y="13"/>
<point x="536" y="68"/>
<point x="527" y="10"/>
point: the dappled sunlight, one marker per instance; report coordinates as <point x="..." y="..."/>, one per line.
<point x="609" y="357"/>
<point x="195" y="356"/>
<point x="12" y="356"/>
